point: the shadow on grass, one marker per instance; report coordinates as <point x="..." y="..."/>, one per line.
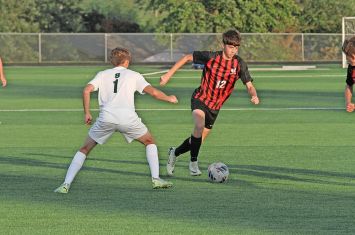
<point x="278" y="173"/>
<point x="233" y="205"/>
<point x="297" y="175"/>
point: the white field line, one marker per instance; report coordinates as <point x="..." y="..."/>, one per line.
<point x="153" y="73"/>
<point x="224" y="109"/>
<point x="276" y="76"/>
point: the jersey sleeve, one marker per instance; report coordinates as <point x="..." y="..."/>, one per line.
<point x="202" y="57"/>
<point x="141" y="83"/>
<point x="349" y="77"/>
<point x="244" y="72"/>
<point x="96" y="81"/>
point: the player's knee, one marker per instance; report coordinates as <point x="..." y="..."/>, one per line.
<point x="85" y="150"/>
<point x="149" y="141"/>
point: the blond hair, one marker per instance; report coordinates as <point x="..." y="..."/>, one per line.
<point x="119" y="56"/>
<point x="349" y="46"/>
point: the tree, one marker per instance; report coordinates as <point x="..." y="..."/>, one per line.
<point x="214" y="16"/>
<point x="18" y="16"/>
<point x="261" y="16"/>
<point x="110" y="16"/>
<point x="324" y="16"/>
<point x="59" y="16"/>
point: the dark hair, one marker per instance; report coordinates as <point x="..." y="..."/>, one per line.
<point x="349" y="46"/>
<point x="232" y="37"/>
<point x="119" y="56"/>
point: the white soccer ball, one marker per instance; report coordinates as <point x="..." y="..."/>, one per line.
<point x="218" y="172"/>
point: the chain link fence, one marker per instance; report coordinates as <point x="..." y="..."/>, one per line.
<point x="54" y="48"/>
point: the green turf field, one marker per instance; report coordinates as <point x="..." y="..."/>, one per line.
<point x="291" y="159"/>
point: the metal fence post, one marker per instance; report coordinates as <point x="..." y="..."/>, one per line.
<point x="106" y="47"/>
<point x="302" y="47"/>
<point x="171" y="47"/>
<point x="39" y="48"/>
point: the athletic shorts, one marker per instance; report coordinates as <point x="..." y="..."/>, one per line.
<point x="102" y="131"/>
<point x="210" y="115"/>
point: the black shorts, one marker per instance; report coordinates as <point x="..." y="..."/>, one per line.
<point x="210" y="115"/>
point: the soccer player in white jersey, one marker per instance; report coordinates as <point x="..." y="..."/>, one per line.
<point x="116" y="88"/>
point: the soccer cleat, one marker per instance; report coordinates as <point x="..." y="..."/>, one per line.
<point x="194" y="170"/>
<point x="160" y="183"/>
<point x="64" y="188"/>
<point x="170" y="166"/>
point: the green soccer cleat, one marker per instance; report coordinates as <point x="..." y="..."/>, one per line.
<point x="160" y="183"/>
<point x="64" y="188"/>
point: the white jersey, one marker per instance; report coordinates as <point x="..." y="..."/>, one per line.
<point x="116" y="94"/>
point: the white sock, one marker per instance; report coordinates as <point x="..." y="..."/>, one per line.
<point x="152" y="157"/>
<point x="74" y="167"/>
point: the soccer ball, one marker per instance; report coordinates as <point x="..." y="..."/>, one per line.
<point x="218" y="172"/>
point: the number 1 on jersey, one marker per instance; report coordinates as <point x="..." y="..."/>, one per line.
<point x="117" y="75"/>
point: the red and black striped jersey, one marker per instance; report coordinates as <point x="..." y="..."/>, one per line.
<point x="350" y="78"/>
<point x="218" y="77"/>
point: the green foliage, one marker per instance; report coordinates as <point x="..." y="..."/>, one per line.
<point x="216" y="16"/>
<point x="324" y="16"/>
<point x="110" y="16"/>
<point x="59" y="16"/>
<point x="183" y="16"/>
<point x="260" y="16"/>
<point x="18" y="16"/>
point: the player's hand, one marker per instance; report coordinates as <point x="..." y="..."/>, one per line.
<point x="173" y="99"/>
<point x="88" y="119"/>
<point x="350" y="107"/>
<point x="164" y="79"/>
<point x="255" y="100"/>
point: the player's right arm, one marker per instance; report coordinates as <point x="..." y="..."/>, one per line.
<point x="86" y="103"/>
<point x="348" y="98"/>
<point x="2" y="75"/>
<point x="159" y="95"/>
<point x="166" y="77"/>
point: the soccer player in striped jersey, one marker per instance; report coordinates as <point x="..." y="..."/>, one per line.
<point x="349" y="50"/>
<point x="117" y="87"/>
<point x="221" y="70"/>
<point x="2" y="75"/>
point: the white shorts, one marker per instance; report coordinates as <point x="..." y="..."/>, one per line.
<point x="102" y="131"/>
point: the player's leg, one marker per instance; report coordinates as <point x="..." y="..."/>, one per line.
<point x="205" y="133"/>
<point x="76" y="164"/>
<point x="153" y="161"/>
<point x="151" y="153"/>
<point x="186" y="144"/>
<point x="173" y="153"/>
<point x="196" y="140"/>
<point x="99" y="133"/>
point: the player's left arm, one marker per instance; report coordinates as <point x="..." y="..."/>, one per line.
<point x="159" y="95"/>
<point x="248" y="81"/>
<point x="252" y="92"/>
<point x="86" y="103"/>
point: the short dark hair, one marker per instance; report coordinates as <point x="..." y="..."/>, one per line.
<point x="232" y="37"/>
<point x="119" y="55"/>
<point x="349" y="46"/>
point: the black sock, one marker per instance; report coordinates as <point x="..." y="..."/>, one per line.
<point x="183" y="148"/>
<point x="195" y="147"/>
